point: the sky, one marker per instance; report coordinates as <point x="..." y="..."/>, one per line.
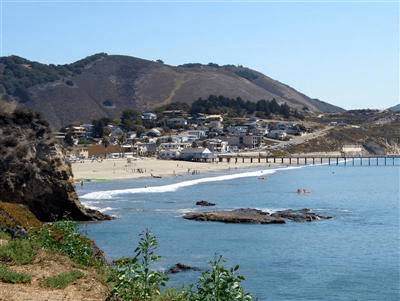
<point x="345" y="53"/>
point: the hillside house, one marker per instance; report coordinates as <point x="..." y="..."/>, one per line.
<point x="148" y="117"/>
<point x="277" y="134"/>
<point x="197" y="133"/>
<point x="352" y="149"/>
<point x="175" y="123"/>
<point x="250" y="141"/>
<point x="174" y="145"/>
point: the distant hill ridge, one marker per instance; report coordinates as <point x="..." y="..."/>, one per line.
<point x="103" y="85"/>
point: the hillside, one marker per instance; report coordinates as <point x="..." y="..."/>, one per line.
<point x="103" y="85"/>
<point x="396" y="108"/>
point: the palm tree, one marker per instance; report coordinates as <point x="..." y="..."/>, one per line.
<point x="106" y="142"/>
<point x="121" y="140"/>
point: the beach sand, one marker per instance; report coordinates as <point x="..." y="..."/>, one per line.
<point x="124" y="168"/>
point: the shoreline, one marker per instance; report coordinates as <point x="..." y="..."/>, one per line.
<point x="142" y="167"/>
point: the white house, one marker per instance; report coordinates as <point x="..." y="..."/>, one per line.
<point x="196" y="154"/>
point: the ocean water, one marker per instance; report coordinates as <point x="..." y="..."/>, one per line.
<point x="353" y="256"/>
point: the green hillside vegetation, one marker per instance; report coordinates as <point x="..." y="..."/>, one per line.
<point x="127" y="279"/>
<point x="237" y="107"/>
<point x="19" y="74"/>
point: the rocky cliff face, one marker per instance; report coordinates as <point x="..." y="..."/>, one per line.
<point x="33" y="170"/>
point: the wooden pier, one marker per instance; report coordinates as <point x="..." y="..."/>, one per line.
<point x="384" y="160"/>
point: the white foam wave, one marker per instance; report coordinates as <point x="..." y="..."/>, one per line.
<point x="109" y="194"/>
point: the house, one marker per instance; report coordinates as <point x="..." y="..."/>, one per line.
<point x="172" y="113"/>
<point x="250" y="141"/>
<point x="174" y="145"/>
<point x="148" y="117"/>
<point x="214" y="120"/>
<point x="196" y="154"/>
<point x="277" y="134"/>
<point x="217" y="145"/>
<point x="237" y="130"/>
<point x="352" y="149"/>
<point x="198" y="133"/>
<point x="169" y="154"/>
<point x="176" y="123"/>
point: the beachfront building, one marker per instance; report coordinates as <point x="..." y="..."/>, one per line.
<point x="169" y="154"/>
<point x="199" y="154"/>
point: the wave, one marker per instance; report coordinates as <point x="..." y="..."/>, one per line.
<point x="109" y="194"/>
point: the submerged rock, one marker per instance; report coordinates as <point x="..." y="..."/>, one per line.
<point x="255" y="216"/>
<point x="204" y="203"/>
<point x="179" y="267"/>
<point x="303" y="190"/>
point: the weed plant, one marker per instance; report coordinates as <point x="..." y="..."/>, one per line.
<point x="8" y="275"/>
<point x="219" y="284"/>
<point x="63" y="280"/>
<point x="135" y="279"/>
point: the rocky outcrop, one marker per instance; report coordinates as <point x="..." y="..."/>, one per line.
<point x="255" y="216"/>
<point x="34" y="171"/>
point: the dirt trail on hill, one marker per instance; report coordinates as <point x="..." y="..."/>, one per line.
<point x="49" y="264"/>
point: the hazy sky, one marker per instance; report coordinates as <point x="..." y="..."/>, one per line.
<point x="343" y="52"/>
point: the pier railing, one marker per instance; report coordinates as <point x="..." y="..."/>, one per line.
<point x="363" y="160"/>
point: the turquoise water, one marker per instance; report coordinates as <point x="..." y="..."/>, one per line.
<point x="355" y="255"/>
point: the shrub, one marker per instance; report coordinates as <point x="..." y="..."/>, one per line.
<point x="63" y="236"/>
<point x="5" y="235"/>
<point x="63" y="280"/>
<point x="8" y="275"/>
<point x="18" y="250"/>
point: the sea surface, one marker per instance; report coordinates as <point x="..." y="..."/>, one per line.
<point x="353" y="256"/>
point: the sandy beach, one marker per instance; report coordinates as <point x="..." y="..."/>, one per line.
<point x="124" y="168"/>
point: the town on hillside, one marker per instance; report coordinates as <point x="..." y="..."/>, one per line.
<point x="177" y="135"/>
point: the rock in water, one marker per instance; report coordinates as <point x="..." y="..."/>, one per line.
<point x="179" y="267"/>
<point x="255" y="216"/>
<point x="244" y="215"/>
<point x="34" y="171"/>
<point x="204" y="203"/>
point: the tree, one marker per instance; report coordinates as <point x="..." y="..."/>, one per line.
<point x="98" y="126"/>
<point x="131" y="120"/>
<point x="106" y="142"/>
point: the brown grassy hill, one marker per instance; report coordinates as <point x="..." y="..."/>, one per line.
<point x="103" y="85"/>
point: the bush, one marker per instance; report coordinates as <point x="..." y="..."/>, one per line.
<point x="63" y="236"/>
<point x="61" y="281"/>
<point x="8" y="275"/>
<point x="19" y="251"/>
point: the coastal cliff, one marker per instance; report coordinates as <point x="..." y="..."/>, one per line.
<point x="34" y="172"/>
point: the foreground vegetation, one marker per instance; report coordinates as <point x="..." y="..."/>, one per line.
<point x="128" y="279"/>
